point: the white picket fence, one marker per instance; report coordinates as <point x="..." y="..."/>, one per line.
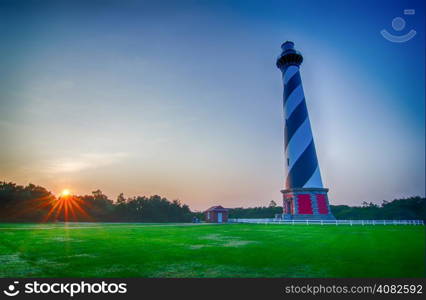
<point x="328" y="222"/>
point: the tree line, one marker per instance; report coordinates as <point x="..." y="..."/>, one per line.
<point x="34" y="203"/>
<point x="412" y="208"/>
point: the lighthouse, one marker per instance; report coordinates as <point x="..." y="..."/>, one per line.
<point x="304" y="196"/>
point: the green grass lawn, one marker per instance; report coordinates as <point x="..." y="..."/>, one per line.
<point x="238" y="250"/>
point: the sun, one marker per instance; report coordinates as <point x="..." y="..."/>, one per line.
<point x="65" y="192"/>
<point x="66" y="207"/>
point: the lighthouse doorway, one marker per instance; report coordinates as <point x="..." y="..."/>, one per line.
<point x="219" y="217"/>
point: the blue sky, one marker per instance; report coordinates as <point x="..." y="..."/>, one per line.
<point x="183" y="99"/>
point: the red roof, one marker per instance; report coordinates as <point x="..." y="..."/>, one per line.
<point x="217" y="208"/>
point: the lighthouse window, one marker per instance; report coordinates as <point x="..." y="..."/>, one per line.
<point x="288" y="161"/>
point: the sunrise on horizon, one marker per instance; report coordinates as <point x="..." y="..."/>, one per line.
<point x="185" y="102"/>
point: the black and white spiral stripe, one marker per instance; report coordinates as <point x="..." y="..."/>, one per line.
<point x="301" y="159"/>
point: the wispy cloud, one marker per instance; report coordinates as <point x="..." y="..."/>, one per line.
<point x="83" y="162"/>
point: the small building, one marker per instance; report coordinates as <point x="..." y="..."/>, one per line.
<point x="216" y="214"/>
